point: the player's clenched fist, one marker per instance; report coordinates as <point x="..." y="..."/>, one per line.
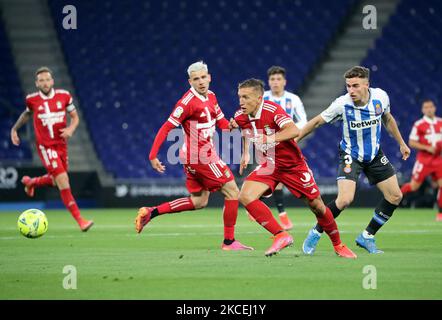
<point x="157" y="165"/>
<point x="405" y="151"/>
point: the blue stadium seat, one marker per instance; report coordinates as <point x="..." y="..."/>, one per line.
<point x="128" y="60"/>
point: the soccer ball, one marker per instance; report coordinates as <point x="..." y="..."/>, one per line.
<point x="32" y="223"/>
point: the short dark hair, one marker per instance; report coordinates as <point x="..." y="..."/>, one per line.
<point x="357" y="72"/>
<point x="427" y="100"/>
<point x="275" y="70"/>
<point x="41" y="70"/>
<point x="253" y="83"/>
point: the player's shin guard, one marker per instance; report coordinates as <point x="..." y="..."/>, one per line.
<point x="230" y="213"/>
<point x="382" y="214"/>
<point x="43" y="181"/>
<point x="70" y="204"/>
<point x="406" y="188"/>
<point x="335" y="211"/>
<point x="328" y="224"/>
<point x="278" y="195"/>
<point x="178" y="205"/>
<point x="264" y="216"/>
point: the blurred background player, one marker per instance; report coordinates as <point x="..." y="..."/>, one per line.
<point x="361" y="111"/>
<point x="198" y="113"/>
<point x="273" y="131"/>
<point x="426" y="137"/>
<point x="49" y="107"/>
<point x="294" y="107"/>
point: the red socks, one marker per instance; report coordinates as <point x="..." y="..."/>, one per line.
<point x="182" y="204"/>
<point x="70" y="204"/>
<point x="328" y="224"/>
<point x="406" y="188"/>
<point x="230" y="213"/>
<point x="43" y="181"/>
<point x="264" y="216"/>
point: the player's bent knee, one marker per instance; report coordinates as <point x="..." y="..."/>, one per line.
<point x="200" y="203"/>
<point x="245" y="198"/>
<point x="395" y="198"/>
<point x="344" y="202"/>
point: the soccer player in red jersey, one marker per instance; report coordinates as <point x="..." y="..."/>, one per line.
<point x="426" y="137"/>
<point x="273" y="131"/>
<point x="198" y="113"/>
<point x="49" y="107"/>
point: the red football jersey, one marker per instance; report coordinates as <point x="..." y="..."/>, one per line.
<point x="269" y="119"/>
<point x="428" y="132"/>
<point x="198" y="116"/>
<point x="49" y="113"/>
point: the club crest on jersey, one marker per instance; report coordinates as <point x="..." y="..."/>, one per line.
<point x="59" y="106"/>
<point x="178" y="112"/>
<point x="288" y="105"/>
<point x="268" y="130"/>
<point x="378" y="109"/>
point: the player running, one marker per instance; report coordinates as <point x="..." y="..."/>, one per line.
<point x="198" y="113"/>
<point x="293" y="105"/>
<point x="426" y="137"/>
<point x="49" y="107"/>
<point x="272" y="130"/>
<point x="361" y="111"/>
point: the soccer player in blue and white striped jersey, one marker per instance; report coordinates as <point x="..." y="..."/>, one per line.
<point x="362" y="111"/>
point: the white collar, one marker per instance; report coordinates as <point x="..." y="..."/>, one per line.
<point x="199" y="96"/>
<point x="275" y="97"/>
<point x="429" y="120"/>
<point x="50" y="96"/>
<point x="258" y="113"/>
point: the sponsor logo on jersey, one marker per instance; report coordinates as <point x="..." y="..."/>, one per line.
<point x="178" y="112"/>
<point x="363" y="124"/>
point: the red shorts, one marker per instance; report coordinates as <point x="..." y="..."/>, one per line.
<point x="299" y="180"/>
<point x="209" y="177"/>
<point x="54" y="158"/>
<point x="421" y="171"/>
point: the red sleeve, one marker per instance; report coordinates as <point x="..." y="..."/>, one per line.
<point x="223" y="124"/>
<point x="28" y="105"/>
<point x="281" y="117"/>
<point x="159" y="139"/>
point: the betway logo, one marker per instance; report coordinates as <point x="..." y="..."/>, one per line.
<point x="354" y="125"/>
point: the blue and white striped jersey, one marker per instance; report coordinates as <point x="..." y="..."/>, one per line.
<point x="361" y="126"/>
<point x="292" y="104"/>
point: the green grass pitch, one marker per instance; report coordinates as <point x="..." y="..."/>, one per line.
<point x="178" y="257"/>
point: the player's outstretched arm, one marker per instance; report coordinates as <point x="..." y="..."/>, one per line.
<point x="24" y="117"/>
<point x="159" y="139"/>
<point x="420" y="146"/>
<point x="311" y="126"/>
<point x="67" y="132"/>
<point x="391" y="126"/>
